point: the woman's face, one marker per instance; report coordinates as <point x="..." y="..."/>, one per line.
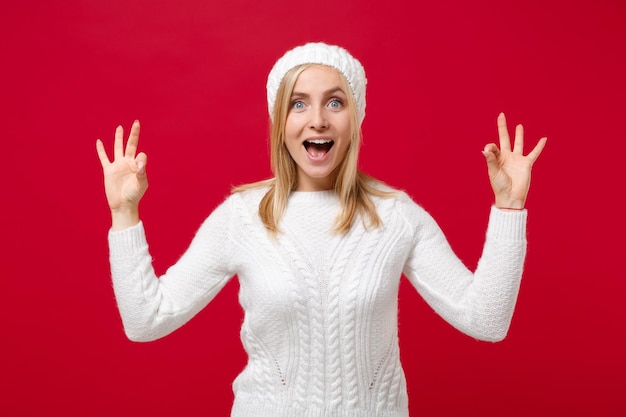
<point x="317" y="129"/>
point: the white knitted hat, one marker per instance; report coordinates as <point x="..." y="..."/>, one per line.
<point x="320" y="53"/>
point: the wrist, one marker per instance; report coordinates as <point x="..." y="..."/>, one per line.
<point x="125" y="217"/>
<point x="509" y="208"/>
<point x="509" y="204"/>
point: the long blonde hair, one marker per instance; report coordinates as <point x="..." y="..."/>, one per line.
<point x="353" y="187"/>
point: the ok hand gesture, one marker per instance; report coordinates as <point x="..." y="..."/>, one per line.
<point x="509" y="170"/>
<point x="125" y="180"/>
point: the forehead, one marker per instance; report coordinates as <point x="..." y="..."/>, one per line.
<point x="319" y="77"/>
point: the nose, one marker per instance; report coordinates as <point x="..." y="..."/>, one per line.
<point x="318" y="118"/>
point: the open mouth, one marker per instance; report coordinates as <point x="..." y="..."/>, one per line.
<point x="318" y="147"/>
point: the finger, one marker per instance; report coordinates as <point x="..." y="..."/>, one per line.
<point x="491" y="148"/>
<point x="503" y="133"/>
<point x="518" y="146"/>
<point x="118" y="145"/>
<point x="141" y="161"/>
<point x="493" y="167"/>
<point x="133" y="140"/>
<point x="102" y="153"/>
<point x="534" y="154"/>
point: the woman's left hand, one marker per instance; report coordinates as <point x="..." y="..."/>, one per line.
<point x="509" y="170"/>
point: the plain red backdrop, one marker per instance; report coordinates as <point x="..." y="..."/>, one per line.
<point x="194" y="73"/>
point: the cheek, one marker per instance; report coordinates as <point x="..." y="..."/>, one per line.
<point x="292" y="127"/>
<point x="343" y="127"/>
<point x="289" y="147"/>
<point x="346" y="135"/>
<point x="288" y="131"/>
<point x="291" y="141"/>
<point x="345" y="147"/>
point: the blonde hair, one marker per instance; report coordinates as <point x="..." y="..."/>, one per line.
<point x="353" y="187"/>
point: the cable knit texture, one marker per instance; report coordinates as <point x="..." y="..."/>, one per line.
<point x="320" y="326"/>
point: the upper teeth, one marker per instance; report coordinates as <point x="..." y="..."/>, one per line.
<point x="319" y="141"/>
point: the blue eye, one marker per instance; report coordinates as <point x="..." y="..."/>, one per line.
<point x="335" y="104"/>
<point x="297" y="105"/>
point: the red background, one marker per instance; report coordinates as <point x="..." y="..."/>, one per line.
<point x="194" y="74"/>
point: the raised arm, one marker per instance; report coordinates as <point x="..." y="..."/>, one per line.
<point x="509" y="170"/>
<point x="125" y="180"/>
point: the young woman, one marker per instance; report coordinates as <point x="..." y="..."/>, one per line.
<point x="319" y="250"/>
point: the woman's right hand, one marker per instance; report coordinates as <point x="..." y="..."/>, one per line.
<point x="125" y="180"/>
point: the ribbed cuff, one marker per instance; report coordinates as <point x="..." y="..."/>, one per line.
<point x="125" y="243"/>
<point x="507" y="224"/>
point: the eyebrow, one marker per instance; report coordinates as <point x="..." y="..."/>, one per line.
<point x="326" y="93"/>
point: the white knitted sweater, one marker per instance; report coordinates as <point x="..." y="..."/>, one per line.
<point x="320" y="326"/>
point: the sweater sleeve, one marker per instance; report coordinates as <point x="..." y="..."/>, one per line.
<point x="152" y="307"/>
<point x="480" y="304"/>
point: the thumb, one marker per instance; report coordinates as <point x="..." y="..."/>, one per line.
<point x="141" y="160"/>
